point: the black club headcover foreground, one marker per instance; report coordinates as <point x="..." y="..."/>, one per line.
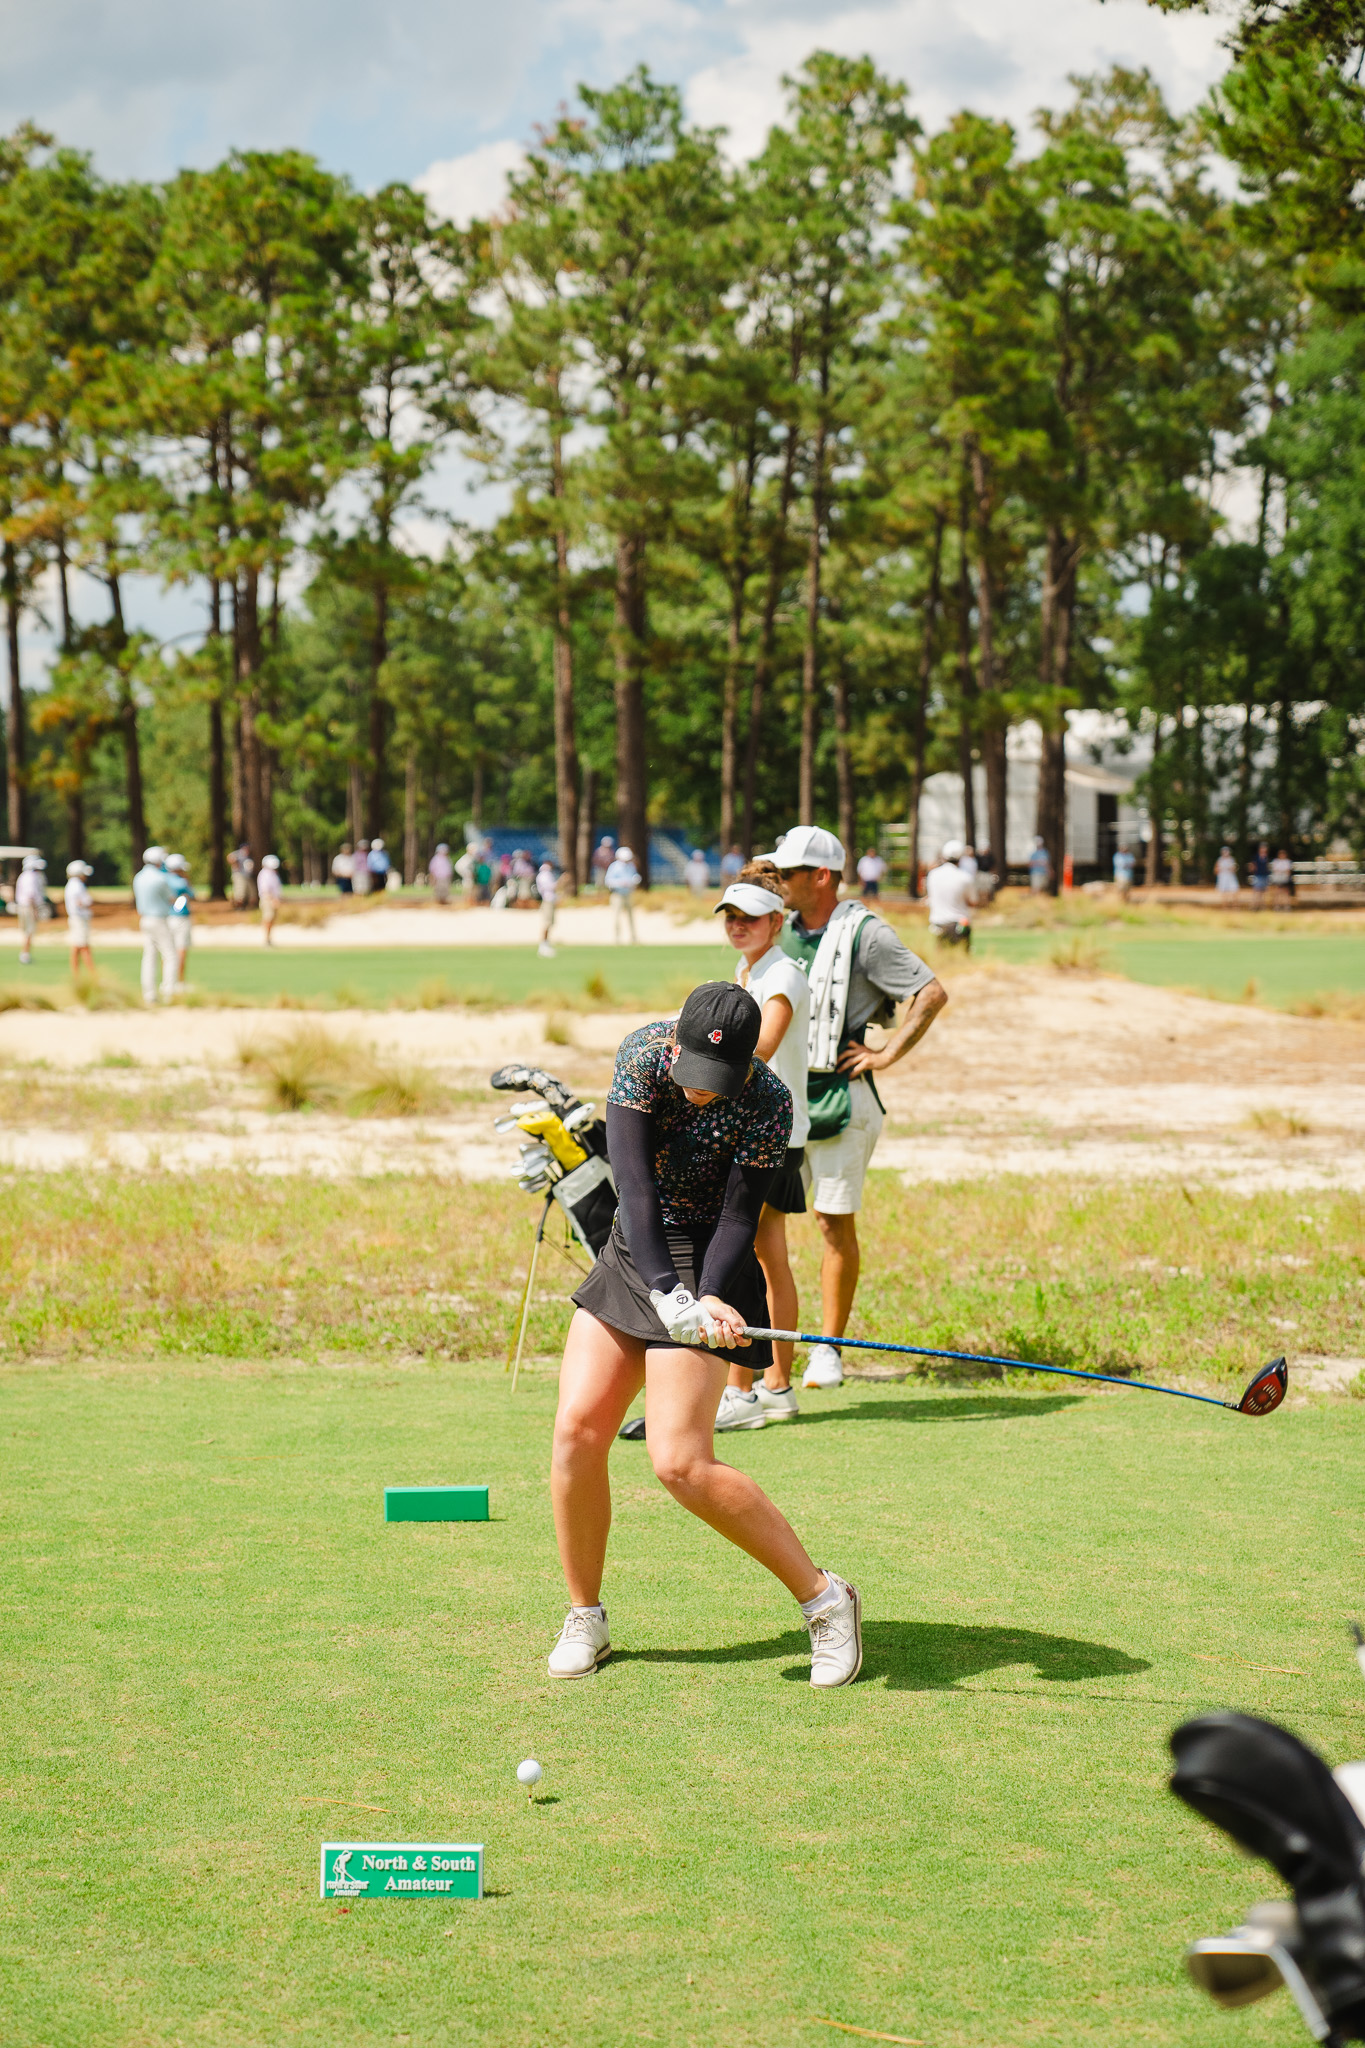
<point x="1279" y="1800"/>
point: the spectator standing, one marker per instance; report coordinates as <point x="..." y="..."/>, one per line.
<point x="1282" y="878"/>
<point x="987" y="880"/>
<point x="440" y="869"/>
<point x="858" y="972"/>
<point x="1225" y="873"/>
<point x="342" y="869"/>
<point x="698" y="872"/>
<point x="622" y="880"/>
<point x="1124" y="865"/>
<point x="730" y="865"/>
<point x="949" y="890"/>
<point x="30" y="899"/>
<point x="271" y="892"/>
<point x="1039" y="867"/>
<point x="1260" y="873"/>
<point x="483" y="872"/>
<point x="871" y="869"/>
<point x="379" y="865"/>
<point x="547" y="888"/>
<point x="360" y="868"/>
<point x="79" y="905"/>
<point x="154" y="895"/>
<point x="523" y="876"/>
<point x="602" y="860"/>
<point x="178" y="868"/>
<point x="464" y="868"/>
<point x="243" y="868"/>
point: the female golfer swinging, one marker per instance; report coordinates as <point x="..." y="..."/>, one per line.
<point x="696" y="1129"/>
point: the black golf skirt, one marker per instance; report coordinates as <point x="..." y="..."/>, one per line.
<point x="616" y="1294"/>
<point x="788" y="1190"/>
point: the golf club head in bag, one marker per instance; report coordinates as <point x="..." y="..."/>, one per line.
<point x="561" y="1099"/>
<point x="1279" y="1800"/>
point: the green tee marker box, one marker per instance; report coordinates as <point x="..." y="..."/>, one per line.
<point x="402" y="1870"/>
<point x="435" y="1503"/>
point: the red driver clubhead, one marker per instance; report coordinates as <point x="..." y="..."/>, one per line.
<point x="1267" y="1390"/>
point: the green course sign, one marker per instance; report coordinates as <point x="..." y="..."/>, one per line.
<point x="402" y="1870"/>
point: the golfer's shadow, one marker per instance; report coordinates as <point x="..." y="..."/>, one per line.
<point x="945" y="1408"/>
<point x="926" y="1656"/>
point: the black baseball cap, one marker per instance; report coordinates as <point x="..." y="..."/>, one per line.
<point x="717" y="1031"/>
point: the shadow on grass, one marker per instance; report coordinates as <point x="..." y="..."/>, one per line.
<point x="950" y="1408"/>
<point x="925" y="1656"/>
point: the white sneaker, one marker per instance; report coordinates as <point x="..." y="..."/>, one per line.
<point x="777" y="1405"/>
<point x="739" y="1410"/>
<point x="545" y="950"/>
<point x="836" y="1637"/>
<point x="824" y="1367"/>
<point x="584" y="1643"/>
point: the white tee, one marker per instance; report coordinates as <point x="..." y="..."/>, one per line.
<point x="268" y="886"/>
<point x="777" y="974"/>
<point x="950" y="895"/>
<point x="871" y="868"/>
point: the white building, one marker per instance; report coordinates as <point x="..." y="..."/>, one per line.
<point x="1103" y="761"/>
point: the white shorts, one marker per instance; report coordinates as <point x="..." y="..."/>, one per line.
<point x="77" y="932"/>
<point x="838" y="1166"/>
<point x="180" y="934"/>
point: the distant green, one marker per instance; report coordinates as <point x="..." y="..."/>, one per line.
<point x="216" y="1655"/>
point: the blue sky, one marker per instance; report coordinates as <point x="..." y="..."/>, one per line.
<point x="443" y="91"/>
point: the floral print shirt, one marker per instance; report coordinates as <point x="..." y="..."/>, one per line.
<point x="694" y="1149"/>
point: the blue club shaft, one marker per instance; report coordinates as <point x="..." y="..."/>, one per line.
<point x="1067" y="1372"/>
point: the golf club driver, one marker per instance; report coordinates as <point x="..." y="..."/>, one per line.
<point x="1262" y="1397"/>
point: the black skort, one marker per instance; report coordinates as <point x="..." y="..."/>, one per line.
<point x="616" y="1294"/>
<point x="788" y="1191"/>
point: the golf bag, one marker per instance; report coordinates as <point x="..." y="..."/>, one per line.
<point x="1279" y="1800"/>
<point x="567" y="1158"/>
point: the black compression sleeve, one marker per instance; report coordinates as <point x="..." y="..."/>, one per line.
<point x="733" y="1239"/>
<point x="641" y="1220"/>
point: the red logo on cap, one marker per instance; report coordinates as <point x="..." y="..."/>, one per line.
<point x="714" y="1037"/>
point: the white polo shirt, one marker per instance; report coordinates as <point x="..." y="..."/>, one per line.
<point x="777" y="974"/>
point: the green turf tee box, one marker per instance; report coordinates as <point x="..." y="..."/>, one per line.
<point x="435" y="1503"/>
<point x="402" y="1870"/>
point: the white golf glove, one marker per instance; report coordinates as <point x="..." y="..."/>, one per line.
<point x="683" y="1316"/>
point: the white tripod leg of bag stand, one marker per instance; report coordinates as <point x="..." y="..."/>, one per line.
<point x="530" y="1283"/>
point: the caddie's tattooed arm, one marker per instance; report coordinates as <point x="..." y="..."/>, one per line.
<point x="919" y="1015"/>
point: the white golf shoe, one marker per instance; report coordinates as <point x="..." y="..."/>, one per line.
<point x="584" y="1643"/>
<point x="836" y="1636"/>
<point x="739" y="1410"/>
<point x="779" y="1405"/>
<point x="824" y="1367"/>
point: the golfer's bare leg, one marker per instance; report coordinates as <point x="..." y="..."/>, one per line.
<point x="770" y="1242"/>
<point x="838" y="1272"/>
<point x="682" y="1391"/>
<point x="600" y="1377"/>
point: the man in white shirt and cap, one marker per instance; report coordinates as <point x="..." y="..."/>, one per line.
<point x="30" y="894"/>
<point x="271" y="893"/>
<point x="79" y="904"/>
<point x="622" y="880"/>
<point x="951" y="890"/>
<point x="859" y="974"/>
<point x="547" y="888"/>
<point x="154" y="893"/>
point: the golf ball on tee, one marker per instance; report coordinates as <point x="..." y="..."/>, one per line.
<point x="529" y="1773"/>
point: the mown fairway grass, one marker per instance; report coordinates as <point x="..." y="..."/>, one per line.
<point x="1276" y="967"/>
<point x="216" y="1655"/>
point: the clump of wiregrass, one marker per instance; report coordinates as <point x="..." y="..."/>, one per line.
<point x="1335" y="1003"/>
<point x="1273" y="1122"/>
<point x="1077" y="953"/>
<point x="24" y="999"/>
<point x="309" y="1069"/>
<point x="101" y="992"/>
<point x="558" y="1030"/>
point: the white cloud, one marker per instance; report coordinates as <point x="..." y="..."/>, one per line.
<point x="472" y="186"/>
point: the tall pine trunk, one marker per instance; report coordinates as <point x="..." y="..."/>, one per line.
<point x="248" y="637"/>
<point x="128" y="726"/>
<point x="966" y="677"/>
<point x="411" y="858"/>
<point x="1057" y="612"/>
<point x="379" y="717"/>
<point x="734" y="642"/>
<point x="992" y="719"/>
<point x="16" y="724"/>
<point x="217" y="761"/>
<point x="810" y="653"/>
<point x="587" y="825"/>
<point x="1152" y="870"/>
<point x="763" y="656"/>
<point x="566" y="743"/>
<point x="632" y="780"/>
<point x="929" y="635"/>
<point x="843" y="762"/>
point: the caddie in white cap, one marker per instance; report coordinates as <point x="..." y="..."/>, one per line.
<point x="154" y="894"/>
<point x="859" y="974"/>
<point x="30" y="894"/>
<point x="270" y="893"/>
<point x="79" y="904"/>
